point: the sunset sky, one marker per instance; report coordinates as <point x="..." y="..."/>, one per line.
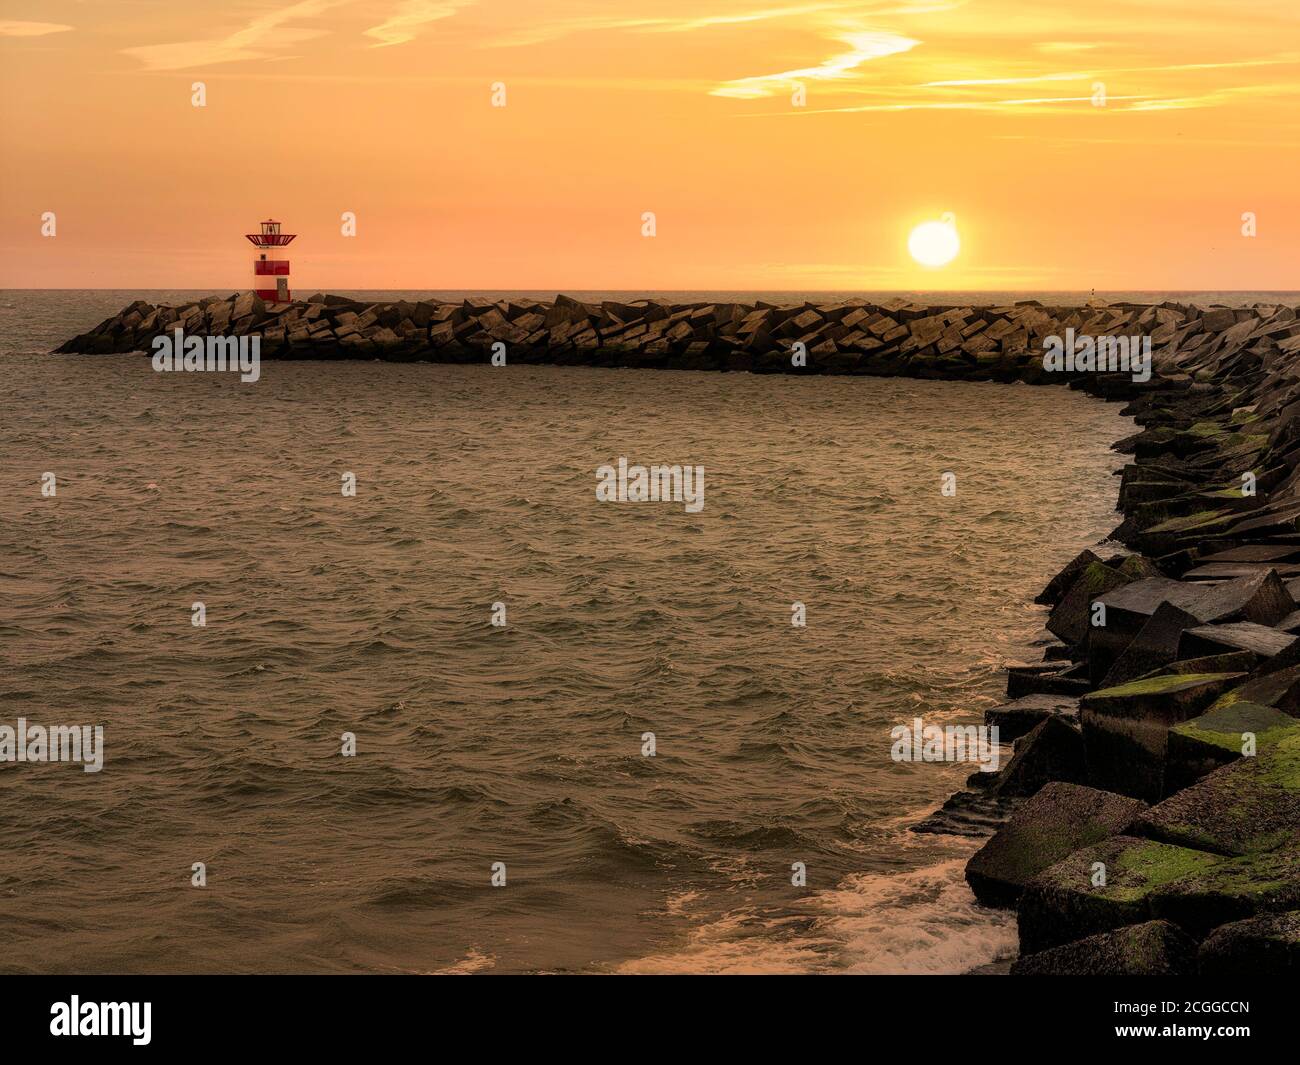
<point x="985" y="109"/>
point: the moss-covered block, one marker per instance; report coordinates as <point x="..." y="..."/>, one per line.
<point x="1069" y="618"/>
<point x="1058" y="820"/>
<point x="1101" y="887"/>
<point x="1149" y="880"/>
<point x="1256" y="947"/>
<point x="1125" y="728"/>
<point x="1250" y="806"/>
<point x="1156" y="948"/>
<point x="1234" y="889"/>
<point x="1200" y="520"/>
<point x="1219" y="736"/>
<point x="1173" y="685"/>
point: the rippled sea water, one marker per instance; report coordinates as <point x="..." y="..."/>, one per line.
<point x="522" y="744"/>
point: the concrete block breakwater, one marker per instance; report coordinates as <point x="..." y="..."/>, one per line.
<point x="1148" y="819"/>
<point x="895" y="337"/>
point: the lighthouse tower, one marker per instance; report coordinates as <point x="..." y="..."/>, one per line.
<point x="271" y="267"/>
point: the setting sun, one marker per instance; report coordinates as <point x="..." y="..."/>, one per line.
<point x="935" y="243"/>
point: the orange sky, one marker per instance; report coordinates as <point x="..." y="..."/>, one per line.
<point x="616" y="107"/>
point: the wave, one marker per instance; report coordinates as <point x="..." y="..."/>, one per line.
<point x="923" y="921"/>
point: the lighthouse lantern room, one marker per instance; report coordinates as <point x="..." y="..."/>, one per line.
<point x="271" y="267"/>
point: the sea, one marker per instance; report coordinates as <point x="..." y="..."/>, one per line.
<point x="643" y="765"/>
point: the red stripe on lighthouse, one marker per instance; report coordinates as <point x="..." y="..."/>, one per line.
<point x="271" y="267"/>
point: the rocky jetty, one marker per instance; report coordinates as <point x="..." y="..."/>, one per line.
<point x="894" y="338"/>
<point x="1148" y="820"/>
<point x="1175" y="666"/>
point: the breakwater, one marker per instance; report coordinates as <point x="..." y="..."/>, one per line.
<point x="1141" y="835"/>
<point x="894" y="338"/>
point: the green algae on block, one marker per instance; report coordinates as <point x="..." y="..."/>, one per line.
<point x="1125" y="728"/>
<point x="1233" y="492"/>
<point x="1247" y="807"/>
<point x="1231" y="890"/>
<point x="1226" y="699"/>
<point x="1137" y="568"/>
<point x="1149" y="865"/>
<point x="1278" y="688"/>
<point x="1161" y="684"/>
<point x="1058" y="820"/>
<point x="1232" y="489"/>
<point x="1149" y="880"/>
<point x="1069" y="900"/>
<point x="1068" y="620"/>
<point x="1224" y="723"/>
<point x="1200" y="519"/>
<point x="1252" y="441"/>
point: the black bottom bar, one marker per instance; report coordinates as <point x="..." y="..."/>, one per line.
<point x="335" y="1014"/>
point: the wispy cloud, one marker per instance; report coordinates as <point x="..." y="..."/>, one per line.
<point x="555" y="29"/>
<point x="1053" y="47"/>
<point x="1040" y="104"/>
<point x="1116" y="104"/>
<point x="405" y="23"/>
<point x="864" y="45"/>
<point x="265" y="37"/>
<point x="1084" y="75"/>
<point x="1216" y="98"/>
<point x="14" y="28"/>
<point x="815" y="15"/>
<point x="1146" y="89"/>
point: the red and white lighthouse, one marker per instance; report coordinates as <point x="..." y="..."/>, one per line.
<point x="271" y="267"/>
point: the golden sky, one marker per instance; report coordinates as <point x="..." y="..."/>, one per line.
<point x="988" y="109"/>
